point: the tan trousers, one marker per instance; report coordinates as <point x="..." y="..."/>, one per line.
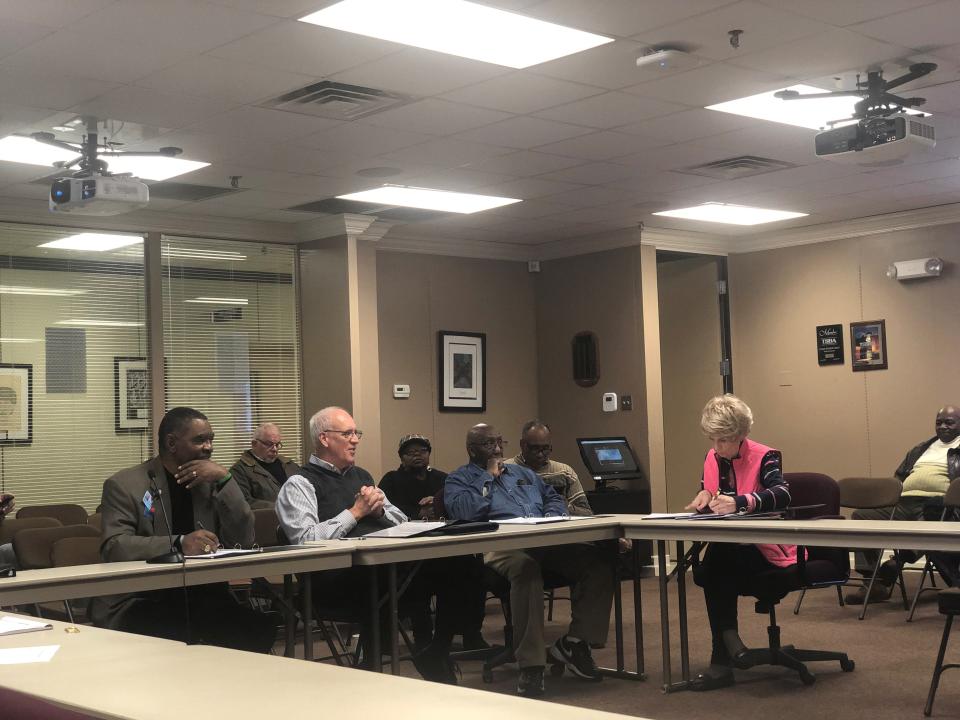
<point x="588" y="566"/>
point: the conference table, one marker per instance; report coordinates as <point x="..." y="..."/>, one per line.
<point x="108" y="674"/>
<point x="374" y="552"/>
<point x="854" y="534"/>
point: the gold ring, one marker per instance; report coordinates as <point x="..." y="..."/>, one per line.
<point x="194" y="473"/>
<point x="207" y="548"/>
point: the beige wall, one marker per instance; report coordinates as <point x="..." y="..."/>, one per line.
<point x="600" y="292"/>
<point x="690" y="357"/>
<point x="422" y="294"/>
<point x="831" y="419"/>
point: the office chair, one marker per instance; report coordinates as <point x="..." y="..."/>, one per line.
<point x="944" y="563"/>
<point x="66" y="513"/>
<point x="813" y="489"/>
<point x="862" y="493"/>
<point x="816" y="568"/>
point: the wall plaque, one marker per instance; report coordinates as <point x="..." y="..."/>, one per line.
<point x="830" y="344"/>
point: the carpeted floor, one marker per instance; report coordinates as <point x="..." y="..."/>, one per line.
<point x="894" y="660"/>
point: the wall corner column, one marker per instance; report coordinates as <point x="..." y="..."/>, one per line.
<point x="653" y="378"/>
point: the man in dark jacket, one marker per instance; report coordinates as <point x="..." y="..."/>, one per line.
<point x="487" y="488"/>
<point x="261" y="470"/>
<point x="926" y="472"/>
<point x="413" y="485"/>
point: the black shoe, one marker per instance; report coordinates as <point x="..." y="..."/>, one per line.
<point x="714" y="679"/>
<point x="475" y="641"/>
<point x="435" y="665"/>
<point x="576" y="656"/>
<point x="530" y="683"/>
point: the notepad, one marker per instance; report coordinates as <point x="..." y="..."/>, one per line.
<point x="532" y="520"/>
<point x="10" y="625"/>
<point x="223" y="552"/>
<point x="24" y="655"/>
<point x="406" y="529"/>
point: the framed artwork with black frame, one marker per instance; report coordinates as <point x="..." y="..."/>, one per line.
<point x="462" y="371"/>
<point x="16" y="404"/>
<point x="868" y="345"/>
<point x="131" y="392"/>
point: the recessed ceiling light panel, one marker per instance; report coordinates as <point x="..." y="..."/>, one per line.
<point x="28" y="151"/>
<point x="457" y="27"/>
<point x="427" y="199"/>
<point x="93" y="242"/>
<point x="730" y="214"/>
<point x="814" y="114"/>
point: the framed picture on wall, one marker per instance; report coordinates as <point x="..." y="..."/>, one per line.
<point x="868" y="345"/>
<point x="131" y="391"/>
<point x="16" y="404"/>
<point x="463" y="371"/>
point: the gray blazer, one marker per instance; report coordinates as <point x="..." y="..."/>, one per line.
<point x="130" y="534"/>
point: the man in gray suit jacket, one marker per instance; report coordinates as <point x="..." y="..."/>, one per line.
<point x="179" y="499"/>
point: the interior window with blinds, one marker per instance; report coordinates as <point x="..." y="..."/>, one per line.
<point x="230" y="335"/>
<point x="74" y="400"/>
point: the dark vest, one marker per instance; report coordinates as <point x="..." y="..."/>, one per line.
<point x="336" y="493"/>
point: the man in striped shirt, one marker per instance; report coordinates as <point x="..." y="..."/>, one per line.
<point x="535" y="449"/>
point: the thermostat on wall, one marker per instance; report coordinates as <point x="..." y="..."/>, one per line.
<point x="401" y="391"/>
<point x="609" y="402"/>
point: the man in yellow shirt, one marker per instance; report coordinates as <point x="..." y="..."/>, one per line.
<point x="926" y="473"/>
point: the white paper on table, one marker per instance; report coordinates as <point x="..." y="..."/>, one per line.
<point x="667" y="516"/>
<point x="406" y="529"/>
<point x="12" y="625"/>
<point x="24" y="655"/>
<point x="532" y="520"/>
<point x="223" y="552"/>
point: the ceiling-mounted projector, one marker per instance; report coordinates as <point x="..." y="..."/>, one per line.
<point x="913" y="269"/>
<point x="664" y="59"/>
<point x="875" y="140"/>
<point x="98" y="195"/>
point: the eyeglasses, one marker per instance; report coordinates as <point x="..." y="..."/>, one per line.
<point x="346" y="434"/>
<point x="492" y="443"/>
<point x="416" y="450"/>
<point x="540" y="449"/>
<point x="271" y="445"/>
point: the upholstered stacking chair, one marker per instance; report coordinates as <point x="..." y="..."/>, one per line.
<point x="862" y="493"/>
<point x="66" y="513"/>
<point x="946" y="564"/>
<point x="812" y="489"/>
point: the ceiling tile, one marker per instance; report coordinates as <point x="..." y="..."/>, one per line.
<point x="437" y="117"/>
<point x="611" y="66"/>
<point x="458" y="180"/>
<point x="763" y="27"/>
<point x="306" y="49"/>
<point x="529" y="188"/>
<point x="41" y="89"/>
<point x="609" y="110"/>
<point x="285" y="158"/>
<point x="526" y="162"/>
<point x="920" y="28"/>
<point x="126" y="36"/>
<point x="710" y="84"/>
<point x="150" y="107"/>
<point x="17" y="118"/>
<point x="357" y="139"/>
<point x="621" y="18"/>
<point x="444" y="152"/>
<point x="832" y="51"/>
<point x="16" y="35"/>
<point x="278" y="8"/>
<point x="524" y="132"/>
<point x="688" y="125"/>
<point x="846" y="12"/>
<point x="521" y="92"/>
<point x="419" y="72"/>
<point x="51" y="13"/>
<point x="601" y="145"/>
<point x="591" y="196"/>
<point x="598" y="173"/>
<point x="257" y="122"/>
<point x="215" y="77"/>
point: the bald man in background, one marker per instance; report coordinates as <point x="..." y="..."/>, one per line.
<point x="262" y="470"/>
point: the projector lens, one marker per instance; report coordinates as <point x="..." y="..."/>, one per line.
<point x="60" y="191"/>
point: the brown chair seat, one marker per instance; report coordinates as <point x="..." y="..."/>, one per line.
<point x="69" y="551"/>
<point x="66" y="513"/>
<point x="9" y="527"/>
<point x="33" y="547"/>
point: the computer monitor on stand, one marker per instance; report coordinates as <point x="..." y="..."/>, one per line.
<point x="609" y="459"/>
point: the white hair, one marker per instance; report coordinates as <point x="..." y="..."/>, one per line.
<point x="322" y="420"/>
<point x="259" y="432"/>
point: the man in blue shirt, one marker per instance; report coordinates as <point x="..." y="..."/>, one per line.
<point x="488" y="489"/>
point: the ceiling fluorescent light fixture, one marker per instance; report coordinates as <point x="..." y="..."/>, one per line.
<point x="457" y="27"/>
<point x="15" y="148"/>
<point x="101" y="323"/>
<point x="813" y="114"/>
<point x="48" y="292"/>
<point x="427" y="199"/>
<point x="93" y="242"/>
<point x="219" y="301"/>
<point x="730" y="214"/>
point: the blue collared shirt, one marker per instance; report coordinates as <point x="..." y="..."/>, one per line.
<point x="471" y="493"/>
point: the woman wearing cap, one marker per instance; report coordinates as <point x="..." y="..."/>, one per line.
<point x="739" y="476"/>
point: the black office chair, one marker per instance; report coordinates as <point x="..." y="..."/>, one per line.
<point x="816" y="568"/>
<point x="949" y="603"/>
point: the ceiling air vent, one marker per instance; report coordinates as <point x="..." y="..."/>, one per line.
<point x="338" y="101"/>
<point x="735" y="168"/>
